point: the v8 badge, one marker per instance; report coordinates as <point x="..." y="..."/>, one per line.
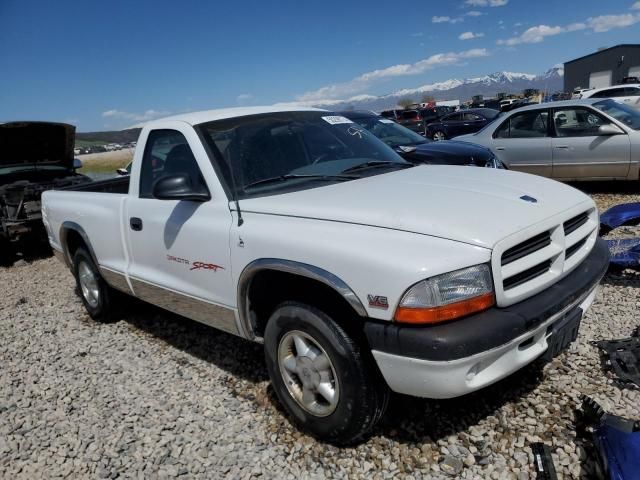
<point x="378" y="301"/>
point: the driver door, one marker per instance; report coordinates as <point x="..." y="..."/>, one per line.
<point x="179" y="249"/>
<point x="580" y="151"/>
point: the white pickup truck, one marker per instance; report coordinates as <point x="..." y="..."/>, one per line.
<point x="360" y="272"/>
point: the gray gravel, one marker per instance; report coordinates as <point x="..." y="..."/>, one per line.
<point x="157" y="395"/>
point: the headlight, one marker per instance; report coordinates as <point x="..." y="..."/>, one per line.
<point x="447" y="296"/>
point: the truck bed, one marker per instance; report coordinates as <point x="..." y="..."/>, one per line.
<point x="112" y="185"/>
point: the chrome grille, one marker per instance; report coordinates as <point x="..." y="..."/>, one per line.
<point x="535" y="258"/>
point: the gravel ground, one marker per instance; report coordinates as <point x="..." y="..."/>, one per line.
<point x="157" y="395"/>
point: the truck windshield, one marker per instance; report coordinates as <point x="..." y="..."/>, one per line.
<point x="275" y="152"/>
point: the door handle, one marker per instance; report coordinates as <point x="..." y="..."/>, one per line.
<point x="564" y="147"/>
<point x="500" y="148"/>
<point x="135" y="223"/>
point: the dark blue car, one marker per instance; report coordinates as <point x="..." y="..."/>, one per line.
<point x="417" y="149"/>
<point x="460" y="123"/>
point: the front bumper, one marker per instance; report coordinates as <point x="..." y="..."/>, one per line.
<point x="456" y="358"/>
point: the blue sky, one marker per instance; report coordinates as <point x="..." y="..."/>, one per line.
<point x="110" y="65"/>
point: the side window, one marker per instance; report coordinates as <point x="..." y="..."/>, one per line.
<point x="471" y="117"/>
<point x="167" y="153"/>
<point x="503" y="130"/>
<point x="631" y="92"/>
<point x="577" y="122"/>
<point x="456" y="117"/>
<point x="531" y="124"/>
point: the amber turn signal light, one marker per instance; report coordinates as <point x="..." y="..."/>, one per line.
<point x="443" y="313"/>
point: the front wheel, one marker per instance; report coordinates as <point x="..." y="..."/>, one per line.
<point x="96" y="295"/>
<point x="321" y="376"/>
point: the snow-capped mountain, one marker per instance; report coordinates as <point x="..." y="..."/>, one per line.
<point x="458" y="89"/>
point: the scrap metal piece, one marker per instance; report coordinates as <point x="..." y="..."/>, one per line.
<point x="623" y="357"/>
<point x="542" y="462"/>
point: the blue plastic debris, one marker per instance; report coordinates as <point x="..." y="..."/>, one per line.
<point x="625" y="253"/>
<point x="617" y="441"/>
<point x="624" y="214"/>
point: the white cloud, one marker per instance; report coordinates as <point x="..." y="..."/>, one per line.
<point x="486" y="3"/>
<point x="417" y="34"/>
<point x="635" y="6"/>
<point x="473" y="13"/>
<point x="364" y="81"/>
<point x="603" y="23"/>
<point x="243" y="98"/>
<point x="137" y="117"/>
<point x="470" y="35"/>
<point x="445" y="19"/>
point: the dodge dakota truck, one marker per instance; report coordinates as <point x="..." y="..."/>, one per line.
<point x="359" y="272"/>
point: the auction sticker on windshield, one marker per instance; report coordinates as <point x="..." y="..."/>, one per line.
<point x="386" y="120"/>
<point x="336" y="119"/>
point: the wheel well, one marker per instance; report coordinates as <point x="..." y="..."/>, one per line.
<point x="269" y="288"/>
<point x="73" y="241"/>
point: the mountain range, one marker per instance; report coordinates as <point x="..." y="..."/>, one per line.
<point x="550" y="81"/>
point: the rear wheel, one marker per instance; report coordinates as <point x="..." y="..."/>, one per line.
<point x="96" y="295"/>
<point x="321" y="376"/>
<point x="439" y="136"/>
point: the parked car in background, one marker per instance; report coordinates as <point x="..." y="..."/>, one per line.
<point x="572" y="140"/>
<point x="628" y="94"/>
<point x="418" y="149"/>
<point x="578" y="92"/>
<point x="417" y="119"/>
<point x="392" y="114"/>
<point x="357" y="272"/>
<point x="460" y="123"/>
<point x="626" y="80"/>
<point x="34" y="157"/>
<point x="522" y="102"/>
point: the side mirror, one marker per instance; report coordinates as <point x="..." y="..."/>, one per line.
<point x="122" y="171"/>
<point x="179" y="187"/>
<point x="609" y="129"/>
<point x="77" y="163"/>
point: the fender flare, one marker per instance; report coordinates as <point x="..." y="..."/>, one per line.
<point x="296" y="268"/>
<point x="67" y="227"/>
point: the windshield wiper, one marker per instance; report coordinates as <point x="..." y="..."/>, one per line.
<point x="292" y="176"/>
<point x="376" y="164"/>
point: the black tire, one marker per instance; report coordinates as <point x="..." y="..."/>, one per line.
<point x="363" y="393"/>
<point x="439" y="133"/>
<point x="103" y="309"/>
<point x="7" y="252"/>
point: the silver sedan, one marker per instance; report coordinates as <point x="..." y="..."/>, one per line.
<point x="590" y="139"/>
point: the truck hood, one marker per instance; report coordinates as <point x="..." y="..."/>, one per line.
<point x="478" y="206"/>
<point x="36" y="143"/>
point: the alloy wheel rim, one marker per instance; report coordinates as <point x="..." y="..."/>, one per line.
<point x="438" y="136"/>
<point x="308" y="373"/>
<point x="88" y="284"/>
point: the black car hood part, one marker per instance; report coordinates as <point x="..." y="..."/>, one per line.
<point x="37" y="143"/>
<point x="449" y="152"/>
